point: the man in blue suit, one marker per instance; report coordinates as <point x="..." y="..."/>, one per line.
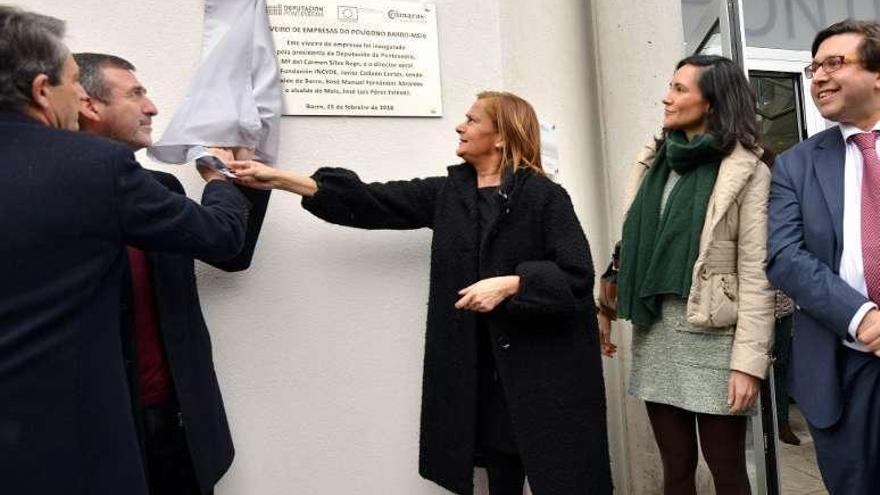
<point x="824" y="251"/>
<point x="70" y="203"/>
<point x="187" y="444"/>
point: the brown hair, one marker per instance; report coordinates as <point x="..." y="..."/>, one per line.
<point x="869" y="48"/>
<point x="518" y="127"/>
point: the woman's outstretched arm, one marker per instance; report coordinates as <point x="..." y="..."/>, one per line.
<point x="260" y="176"/>
<point x="338" y="195"/>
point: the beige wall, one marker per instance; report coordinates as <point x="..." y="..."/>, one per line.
<point x="319" y="346"/>
<point x="637" y="46"/>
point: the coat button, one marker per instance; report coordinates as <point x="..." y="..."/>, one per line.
<point x="503" y="342"/>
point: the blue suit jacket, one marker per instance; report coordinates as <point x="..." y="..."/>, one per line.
<point x="69" y="204"/>
<point x="804" y="248"/>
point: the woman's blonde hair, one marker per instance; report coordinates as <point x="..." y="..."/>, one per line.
<point x="518" y="127"/>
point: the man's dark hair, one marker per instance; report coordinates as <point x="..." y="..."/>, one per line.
<point x="30" y="44"/>
<point x="732" y="118"/>
<point x="91" y="75"/>
<point x="869" y="48"/>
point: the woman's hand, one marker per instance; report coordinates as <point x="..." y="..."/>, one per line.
<point x="488" y="293"/>
<point x="607" y="347"/>
<point x="255" y="174"/>
<point x="742" y="390"/>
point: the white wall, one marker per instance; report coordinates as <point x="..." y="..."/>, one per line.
<point x="637" y="47"/>
<point x="319" y="346"/>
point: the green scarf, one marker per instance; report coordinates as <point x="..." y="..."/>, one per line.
<point x="658" y="253"/>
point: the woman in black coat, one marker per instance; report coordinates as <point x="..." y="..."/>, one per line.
<point x="512" y="372"/>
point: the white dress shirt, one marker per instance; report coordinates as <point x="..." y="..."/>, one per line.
<point x="852" y="267"/>
<point x="234" y="99"/>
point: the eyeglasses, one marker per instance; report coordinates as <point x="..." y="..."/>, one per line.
<point x="829" y="65"/>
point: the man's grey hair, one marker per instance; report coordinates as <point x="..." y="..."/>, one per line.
<point x="91" y="72"/>
<point x="30" y="44"/>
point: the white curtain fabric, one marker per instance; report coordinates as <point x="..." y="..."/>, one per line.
<point x="234" y="100"/>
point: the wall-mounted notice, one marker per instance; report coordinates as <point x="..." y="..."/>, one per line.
<point x="361" y="57"/>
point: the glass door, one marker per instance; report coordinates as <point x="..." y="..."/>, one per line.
<point x="791" y="459"/>
<point x="779" y="99"/>
<point x="780" y="108"/>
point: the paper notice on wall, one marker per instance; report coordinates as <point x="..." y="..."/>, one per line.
<point x="549" y="149"/>
<point x="363" y="57"/>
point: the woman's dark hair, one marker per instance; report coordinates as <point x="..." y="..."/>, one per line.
<point x="732" y="116"/>
<point x="768" y="157"/>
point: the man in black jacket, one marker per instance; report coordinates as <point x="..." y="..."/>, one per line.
<point x="186" y="437"/>
<point x="71" y="203"/>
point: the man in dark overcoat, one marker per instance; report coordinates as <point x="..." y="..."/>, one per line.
<point x="176" y="397"/>
<point x="70" y="204"/>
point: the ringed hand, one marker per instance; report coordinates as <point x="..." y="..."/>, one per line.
<point x="742" y="390"/>
<point x="488" y="293"/>
<point x="254" y="174"/>
<point x="208" y="174"/>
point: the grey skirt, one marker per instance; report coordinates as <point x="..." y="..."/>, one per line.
<point x="681" y="365"/>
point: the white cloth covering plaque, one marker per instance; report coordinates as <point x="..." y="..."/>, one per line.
<point x="234" y="100"/>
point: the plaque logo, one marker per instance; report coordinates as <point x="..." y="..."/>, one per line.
<point x="396" y="15"/>
<point x="295" y="10"/>
<point x="347" y="14"/>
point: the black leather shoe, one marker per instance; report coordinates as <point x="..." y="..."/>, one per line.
<point x="788" y="436"/>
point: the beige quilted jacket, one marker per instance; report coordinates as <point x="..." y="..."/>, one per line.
<point x="729" y="286"/>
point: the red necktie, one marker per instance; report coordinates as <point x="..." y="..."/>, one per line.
<point x="870" y="212"/>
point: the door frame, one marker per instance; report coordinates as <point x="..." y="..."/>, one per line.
<point x="787" y="62"/>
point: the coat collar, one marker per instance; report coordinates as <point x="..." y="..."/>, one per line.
<point x="829" y="157"/>
<point x="735" y="171"/>
<point x="464" y="179"/>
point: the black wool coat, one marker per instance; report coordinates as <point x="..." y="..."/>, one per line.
<point x="544" y="337"/>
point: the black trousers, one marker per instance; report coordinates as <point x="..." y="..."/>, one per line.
<point x="782" y="350"/>
<point x="849" y="451"/>
<point x="168" y="463"/>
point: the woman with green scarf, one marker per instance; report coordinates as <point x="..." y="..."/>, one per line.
<point x="691" y="275"/>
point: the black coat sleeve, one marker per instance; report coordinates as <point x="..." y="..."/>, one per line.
<point x="344" y="199"/>
<point x="563" y="281"/>
<point x="156" y="219"/>
<point x="258" y="201"/>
